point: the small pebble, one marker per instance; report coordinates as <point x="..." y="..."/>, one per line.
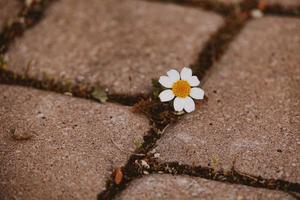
<point x="256" y="13"/>
<point x="28" y="3"/>
<point x="156" y="155"/>
<point x="145" y="164"/>
<point x="79" y="79"/>
<point x="68" y="94"/>
<point x="152" y="151"/>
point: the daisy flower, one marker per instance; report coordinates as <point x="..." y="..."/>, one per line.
<point x="182" y="87"/>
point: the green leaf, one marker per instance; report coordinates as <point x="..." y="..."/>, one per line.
<point x="156" y="87"/>
<point x="3" y="64"/>
<point x="138" y="142"/>
<point x="99" y="94"/>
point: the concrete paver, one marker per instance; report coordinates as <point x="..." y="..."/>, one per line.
<point x="252" y="115"/>
<point x="184" y="187"/>
<point x="72" y="144"/>
<point x="121" y="45"/>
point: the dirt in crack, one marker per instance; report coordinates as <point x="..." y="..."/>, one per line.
<point x="213" y="50"/>
<point x="215" y="6"/>
<point x="279" y="10"/>
<point x="231" y="176"/>
<point x="226" y="8"/>
<point x="160" y="116"/>
<point x="82" y="90"/>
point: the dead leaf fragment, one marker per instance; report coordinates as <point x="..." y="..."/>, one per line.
<point x="262" y="4"/>
<point x="20" y="134"/>
<point x="118" y="175"/>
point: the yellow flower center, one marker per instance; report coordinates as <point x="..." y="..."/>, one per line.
<point x="181" y="88"/>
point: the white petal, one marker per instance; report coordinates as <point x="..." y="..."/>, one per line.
<point x="173" y="75"/>
<point x="197" y="93"/>
<point x="166" y="95"/>
<point x="189" y="104"/>
<point x="165" y="81"/>
<point x="186" y="73"/>
<point x="193" y="81"/>
<point x="178" y="104"/>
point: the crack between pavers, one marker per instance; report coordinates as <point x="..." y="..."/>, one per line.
<point x="82" y="90"/>
<point x="161" y="115"/>
<point x="233" y="175"/>
<point x="225" y="8"/>
<point x="135" y="168"/>
<point x="284" y="11"/>
<point x="208" y="5"/>
<point x="219" y="42"/>
<point x="32" y="14"/>
<point x="236" y="17"/>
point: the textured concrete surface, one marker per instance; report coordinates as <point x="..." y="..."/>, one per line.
<point x="55" y="146"/>
<point x="9" y="9"/>
<point x="120" y="44"/>
<point x="252" y="117"/>
<point x="72" y="144"/>
<point x="185" y="187"/>
<point x="286" y="3"/>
